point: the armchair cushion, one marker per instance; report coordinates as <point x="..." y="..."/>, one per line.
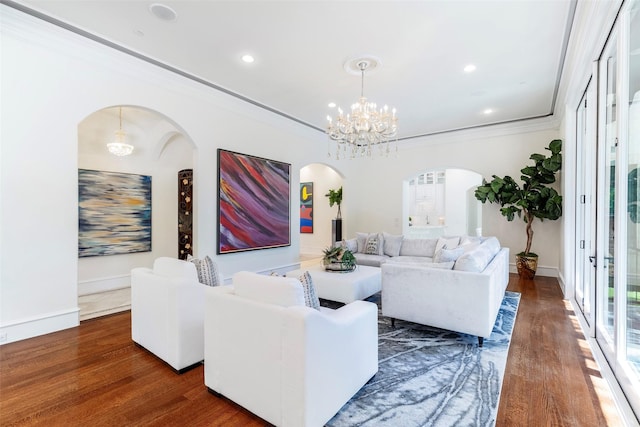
<point x="173" y="267"/>
<point x="282" y="291"/>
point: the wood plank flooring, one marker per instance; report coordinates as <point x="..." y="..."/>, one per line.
<point x="94" y="375"/>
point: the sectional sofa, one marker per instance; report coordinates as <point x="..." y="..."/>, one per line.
<point x="455" y="283"/>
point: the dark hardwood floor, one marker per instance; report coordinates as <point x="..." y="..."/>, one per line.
<point x="94" y="375"/>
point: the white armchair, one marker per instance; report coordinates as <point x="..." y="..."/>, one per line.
<point x="290" y="364"/>
<point x="167" y="312"/>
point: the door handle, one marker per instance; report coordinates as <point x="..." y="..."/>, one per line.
<point x="592" y="260"/>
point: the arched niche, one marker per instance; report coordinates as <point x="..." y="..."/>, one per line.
<point x="440" y="202"/>
<point x="161" y="150"/>
<point x="323" y="178"/>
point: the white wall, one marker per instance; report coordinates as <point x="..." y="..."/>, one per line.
<point x="52" y="80"/>
<point x="458" y="206"/>
<point x="324" y="178"/>
<point x="503" y="153"/>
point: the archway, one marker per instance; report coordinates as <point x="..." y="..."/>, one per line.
<point x="322" y="178"/>
<point x="161" y="150"/>
<point x="441" y="202"/>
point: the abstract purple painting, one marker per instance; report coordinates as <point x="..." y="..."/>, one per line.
<point x="253" y="203"/>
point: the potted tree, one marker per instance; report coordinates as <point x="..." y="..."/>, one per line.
<point x="534" y="198"/>
<point x="335" y="198"/>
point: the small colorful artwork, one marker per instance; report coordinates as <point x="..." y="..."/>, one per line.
<point x="253" y="203"/>
<point x="114" y="213"/>
<point x="306" y="207"/>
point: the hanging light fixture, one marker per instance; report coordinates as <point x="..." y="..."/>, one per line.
<point x="119" y="146"/>
<point x="357" y="133"/>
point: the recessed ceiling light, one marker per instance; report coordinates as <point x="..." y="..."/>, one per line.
<point x="488" y="111"/>
<point x="332" y="105"/>
<point x="248" y="58"/>
<point x="469" y="68"/>
<point x="163" y="12"/>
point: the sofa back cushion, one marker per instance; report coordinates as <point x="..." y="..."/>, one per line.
<point x="477" y="259"/>
<point x="283" y="291"/>
<point x="418" y="247"/>
<point x="392" y="243"/>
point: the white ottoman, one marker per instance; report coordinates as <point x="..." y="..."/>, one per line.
<point x="343" y="287"/>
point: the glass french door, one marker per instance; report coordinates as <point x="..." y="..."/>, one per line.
<point x="617" y="290"/>
<point x="585" y="201"/>
<point x="607" y="154"/>
<point x="629" y="293"/>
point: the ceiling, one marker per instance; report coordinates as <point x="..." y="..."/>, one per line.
<point x="300" y="48"/>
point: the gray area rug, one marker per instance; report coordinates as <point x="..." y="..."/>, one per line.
<point x="432" y="377"/>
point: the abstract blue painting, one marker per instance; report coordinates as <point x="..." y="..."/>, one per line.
<point x="114" y="213"/>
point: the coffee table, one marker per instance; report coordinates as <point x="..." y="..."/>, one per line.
<point x="359" y="284"/>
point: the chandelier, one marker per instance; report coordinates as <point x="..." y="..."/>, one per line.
<point x="366" y="127"/>
<point x="119" y="146"/>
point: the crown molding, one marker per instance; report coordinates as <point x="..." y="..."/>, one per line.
<point x="537" y="124"/>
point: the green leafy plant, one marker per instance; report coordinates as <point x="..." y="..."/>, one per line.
<point x="335" y="198"/>
<point x="534" y="198"/>
<point x="339" y="255"/>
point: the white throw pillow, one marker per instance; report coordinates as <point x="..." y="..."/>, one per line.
<point x="447" y="243"/>
<point x="447" y="255"/>
<point x="478" y="259"/>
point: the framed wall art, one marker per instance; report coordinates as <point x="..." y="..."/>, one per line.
<point x="114" y="213"/>
<point x="253" y="203"/>
<point x="306" y="207"/>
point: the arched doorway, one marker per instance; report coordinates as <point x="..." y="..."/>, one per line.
<point x="441" y="202"/>
<point x="322" y="178"/>
<point x="161" y="150"/>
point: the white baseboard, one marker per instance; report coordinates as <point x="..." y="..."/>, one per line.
<point x="542" y="270"/>
<point x="280" y="269"/>
<point x="103" y="284"/>
<point x="41" y="325"/>
<point x="619" y="398"/>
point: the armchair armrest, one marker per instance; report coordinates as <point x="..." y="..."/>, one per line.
<point x="167" y="316"/>
<point x="331" y="355"/>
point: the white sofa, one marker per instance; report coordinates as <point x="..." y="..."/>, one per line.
<point x="167" y="312"/>
<point x="465" y="299"/>
<point x="396" y="248"/>
<point x="290" y="364"/>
